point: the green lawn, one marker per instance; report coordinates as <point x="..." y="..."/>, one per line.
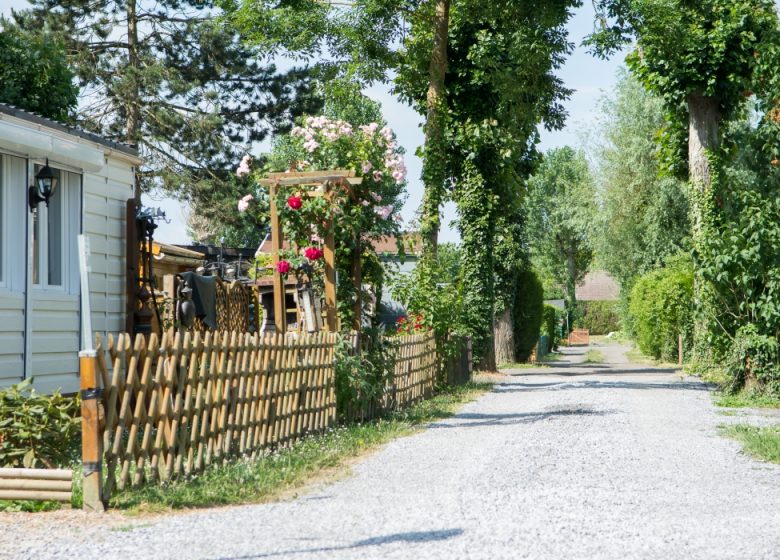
<point x="747" y="399"/>
<point x="593" y="356"/>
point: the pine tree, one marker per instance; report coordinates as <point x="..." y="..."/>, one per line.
<point x="168" y="77"/>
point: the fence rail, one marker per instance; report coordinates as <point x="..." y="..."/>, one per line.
<point x="175" y="405"/>
<point x="36" y="484"/>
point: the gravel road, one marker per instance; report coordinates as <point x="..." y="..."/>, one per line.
<point x="577" y="460"/>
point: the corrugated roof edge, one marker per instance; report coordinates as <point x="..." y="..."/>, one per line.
<point x="14" y="111"/>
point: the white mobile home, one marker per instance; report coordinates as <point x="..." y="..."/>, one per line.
<point x="40" y="326"/>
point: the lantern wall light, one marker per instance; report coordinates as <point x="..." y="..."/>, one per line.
<point x="45" y="184"/>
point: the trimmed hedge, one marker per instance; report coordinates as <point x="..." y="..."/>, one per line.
<point x="599" y="317"/>
<point x="527" y="313"/>
<point x="550" y="326"/>
<point x="661" y="308"/>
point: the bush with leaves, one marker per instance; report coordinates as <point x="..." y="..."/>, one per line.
<point x="550" y="326"/>
<point x="527" y="314"/>
<point x="362" y="373"/>
<point x="38" y="430"/>
<point x="753" y="359"/>
<point x="599" y="317"/>
<point x="661" y="306"/>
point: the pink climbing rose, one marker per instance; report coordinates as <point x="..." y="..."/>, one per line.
<point x="243" y="204"/>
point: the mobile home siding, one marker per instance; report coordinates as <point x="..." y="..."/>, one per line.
<point x="97" y="197"/>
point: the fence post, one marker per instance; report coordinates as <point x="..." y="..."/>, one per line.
<point x="91" y="452"/>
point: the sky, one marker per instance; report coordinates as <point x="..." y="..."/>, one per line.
<point x="590" y="77"/>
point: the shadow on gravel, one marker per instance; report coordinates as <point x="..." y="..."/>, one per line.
<point x="410" y="538"/>
<point x="473" y="419"/>
<point x="566" y="385"/>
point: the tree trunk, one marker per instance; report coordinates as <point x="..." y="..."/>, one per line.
<point x="704" y="136"/>
<point x="134" y="95"/>
<point x="504" y="339"/>
<point x="434" y="162"/>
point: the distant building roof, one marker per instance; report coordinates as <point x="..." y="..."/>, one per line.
<point x="13" y="111"/>
<point x="598" y="286"/>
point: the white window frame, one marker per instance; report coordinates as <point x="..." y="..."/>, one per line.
<point x="3" y="222"/>
<point x="66" y="286"/>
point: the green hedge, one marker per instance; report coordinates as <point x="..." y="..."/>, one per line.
<point x="527" y="313"/>
<point x="661" y="308"/>
<point x="550" y="326"/>
<point x="599" y="317"/>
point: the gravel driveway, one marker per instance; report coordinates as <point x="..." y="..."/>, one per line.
<point x="577" y="461"/>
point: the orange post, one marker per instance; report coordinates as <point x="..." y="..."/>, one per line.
<point x="91" y="440"/>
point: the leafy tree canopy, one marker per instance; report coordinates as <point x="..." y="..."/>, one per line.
<point x="167" y="76"/>
<point x="561" y="209"/>
<point x="644" y="216"/>
<point x="34" y="74"/>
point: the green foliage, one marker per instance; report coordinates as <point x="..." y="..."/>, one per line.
<point x="599" y="317"/>
<point x="38" y="430"/>
<point x="644" y="217"/>
<point x="434" y="291"/>
<point x="561" y="209"/>
<point x="708" y="48"/>
<point x="661" y="306"/>
<point x="34" y="74"/>
<point x="527" y="314"/>
<point x="550" y="329"/>
<point x="362" y="374"/>
<point x="753" y="358"/>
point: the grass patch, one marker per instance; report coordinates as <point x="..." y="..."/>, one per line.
<point x="551" y="357"/>
<point x="278" y="474"/>
<point x="522" y="366"/>
<point x="746" y="399"/>
<point x="594" y="357"/>
<point x="761" y="443"/>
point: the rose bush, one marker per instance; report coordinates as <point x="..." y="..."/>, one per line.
<point x="357" y="215"/>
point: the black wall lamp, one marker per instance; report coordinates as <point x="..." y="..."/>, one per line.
<point x="45" y="185"/>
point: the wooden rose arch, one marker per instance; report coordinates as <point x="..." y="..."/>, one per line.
<point x="315" y="183"/>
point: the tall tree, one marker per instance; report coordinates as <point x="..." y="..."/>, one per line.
<point x="561" y="208"/>
<point x="34" y="74"/>
<point x="645" y="213"/>
<point x="701" y="58"/>
<point x="166" y="76"/>
<point x="369" y="40"/>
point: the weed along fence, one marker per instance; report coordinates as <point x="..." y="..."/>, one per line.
<point x="171" y="406"/>
<point x="415" y="369"/>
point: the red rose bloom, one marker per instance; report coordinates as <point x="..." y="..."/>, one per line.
<point x="295" y="202"/>
<point x="283" y="267"/>
<point x="313" y="253"/>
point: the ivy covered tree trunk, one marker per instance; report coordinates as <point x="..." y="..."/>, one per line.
<point x="703" y="140"/>
<point x="477" y="230"/>
<point x="435" y="155"/>
<point x="132" y="133"/>
<point x="504" y="338"/>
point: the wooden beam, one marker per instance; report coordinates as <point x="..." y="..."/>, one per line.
<point x="310" y="181"/>
<point x="310" y="174"/>
<point x="329" y="255"/>
<point x="277" y="242"/>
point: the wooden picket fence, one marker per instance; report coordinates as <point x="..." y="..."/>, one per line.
<point x="414" y="379"/>
<point x="177" y="404"/>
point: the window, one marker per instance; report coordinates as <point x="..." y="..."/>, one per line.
<point x="51" y="234"/>
<point x="3" y="221"/>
